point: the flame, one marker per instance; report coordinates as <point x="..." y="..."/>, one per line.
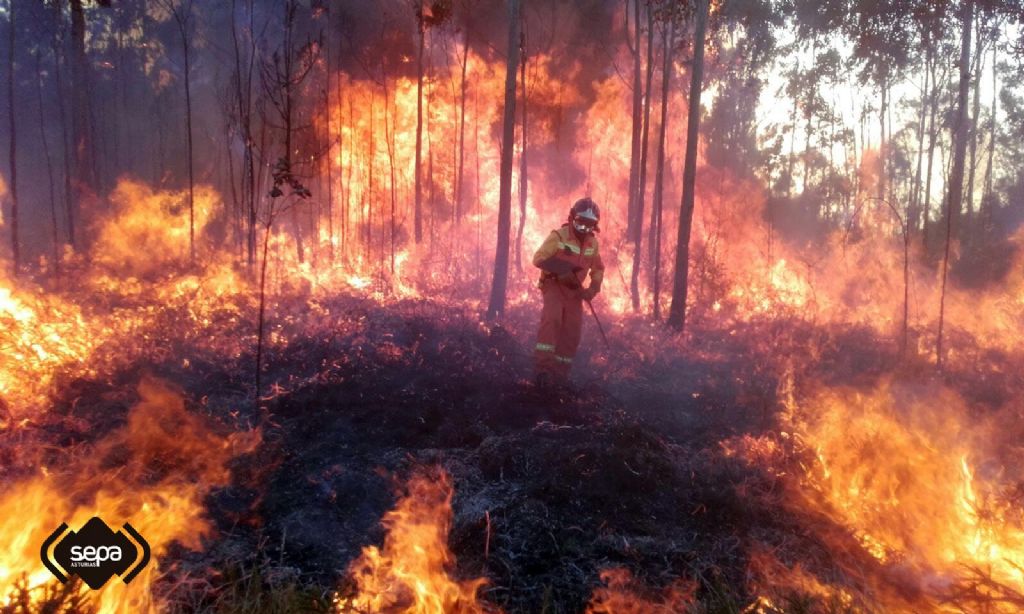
<point x="39" y="334"/>
<point x="153" y="472"/>
<point x="148" y="230"/>
<point x="900" y="467"/>
<point x="411" y="573"/>
<point x="622" y="595"/>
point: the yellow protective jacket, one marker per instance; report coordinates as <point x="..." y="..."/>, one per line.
<point x="563" y="245"/>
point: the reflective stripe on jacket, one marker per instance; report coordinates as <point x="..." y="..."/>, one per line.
<point x="563" y="245"/>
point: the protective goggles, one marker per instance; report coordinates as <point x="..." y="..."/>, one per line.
<point x="583" y="225"/>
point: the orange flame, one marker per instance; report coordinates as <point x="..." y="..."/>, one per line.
<point x="914" y="475"/>
<point x="153" y="472"/>
<point x="411" y="573"/>
<point x="622" y="595"/>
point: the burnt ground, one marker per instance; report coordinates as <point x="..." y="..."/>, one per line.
<point x="624" y="469"/>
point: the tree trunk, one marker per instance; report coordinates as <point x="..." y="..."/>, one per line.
<point x="634" y="282"/>
<point x="13" y="188"/>
<point x="634" y="151"/>
<point x="54" y="233"/>
<point x="973" y="139"/>
<point x="330" y="167"/>
<point x="389" y="142"/>
<point x="677" y="310"/>
<point x="183" y="29"/>
<point x="791" y="161"/>
<point x="261" y="319"/>
<point x="65" y="139"/>
<point x="659" y="177"/>
<point x="243" y="99"/>
<point x="522" y="156"/>
<point x="497" y="302"/>
<point x="883" y="108"/>
<point x="956" y="179"/>
<point x="83" y="180"/>
<point x="986" y="204"/>
<point x="462" y="131"/>
<point x="932" y="138"/>
<point x="913" y="211"/>
<point x="418" y="212"/>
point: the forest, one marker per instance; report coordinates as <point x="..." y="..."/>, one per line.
<point x="269" y="305"/>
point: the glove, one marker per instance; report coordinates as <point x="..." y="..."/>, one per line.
<point x="590" y="292"/>
<point x="569" y="280"/>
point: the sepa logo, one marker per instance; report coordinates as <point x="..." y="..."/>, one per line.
<point x="95" y="553"/>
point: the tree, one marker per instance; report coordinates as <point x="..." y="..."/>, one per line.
<point x="668" y="38"/>
<point x="83" y="182"/>
<point x="458" y="205"/>
<point x="283" y="178"/>
<point x="500" y="283"/>
<point x="13" y="187"/>
<point x="418" y="211"/>
<point x="242" y="79"/>
<point x="634" y="282"/>
<point x="956" y="179"/>
<point x="677" y="309"/>
<point x="523" y="182"/>
<point x="282" y="74"/>
<point x="181" y="12"/>
<point x="54" y="235"/>
<point x="634" y="152"/>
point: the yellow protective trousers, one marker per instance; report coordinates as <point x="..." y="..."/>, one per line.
<point x="561" y="322"/>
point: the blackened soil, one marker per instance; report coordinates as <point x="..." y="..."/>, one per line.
<point x="624" y="468"/>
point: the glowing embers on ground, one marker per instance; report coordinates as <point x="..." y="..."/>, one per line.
<point x="411" y="572"/>
<point x="924" y="484"/>
<point x="153" y="472"/>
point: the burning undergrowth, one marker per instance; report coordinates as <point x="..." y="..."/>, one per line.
<point x="732" y="475"/>
<point x="775" y="465"/>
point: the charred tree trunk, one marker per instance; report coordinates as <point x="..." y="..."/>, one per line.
<point x="288" y="81"/>
<point x="65" y="140"/>
<point x="634" y="282"/>
<point x="261" y="316"/>
<point x="13" y="188"/>
<point x="462" y="131"/>
<point x="389" y="142"/>
<point x="418" y="212"/>
<point x="956" y="179"/>
<point x="659" y="177"/>
<point x="973" y="139"/>
<point x="913" y="212"/>
<point x="986" y="199"/>
<point x="677" y="310"/>
<point x="330" y="166"/>
<point x="54" y="232"/>
<point x="634" y="151"/>
<point x="83" y="179"/>
<point x="243" y="99"/>
<point x="882" y="110"/>
<point x="932" y="139"/>
<point x="498" y="287"/>
<point x="522" y="155"/>
<point x="182" y="16"/>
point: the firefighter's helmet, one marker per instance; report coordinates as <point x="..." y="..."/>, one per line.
<point x="584" y="216"/>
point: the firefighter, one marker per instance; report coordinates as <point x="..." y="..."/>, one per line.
<point x="566" y="258"/>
